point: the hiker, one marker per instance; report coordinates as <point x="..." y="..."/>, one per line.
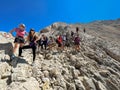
<point x="19" y="39"/>
<point x="84" y="30"/>
<point x="77" y="30"/>
<point x="72" y="33"/>
<point x="68" y="39"/>
<point x="64" y="40"/>
<point x="59" y="41"/>
<point x="77" y="42"/>
<point x="39" y="43"/>
<point x="44" y="42"/>
<point x="51" y="43"/>
<point x="32" y="38"/>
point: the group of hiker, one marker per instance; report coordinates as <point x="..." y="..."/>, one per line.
<point x="43" y="42"/>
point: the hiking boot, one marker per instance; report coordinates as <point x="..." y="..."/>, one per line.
<point x="12" y="57"/>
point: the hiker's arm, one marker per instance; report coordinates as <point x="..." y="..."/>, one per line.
<point x="11" y="32"/>
<point x="26" y="39"/>
<point x="36" y="39"/>
<point x="26" y="33"/>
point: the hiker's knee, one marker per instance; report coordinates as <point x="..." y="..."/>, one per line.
<point x="16" y="45"/>
<point x="21" y="44"/>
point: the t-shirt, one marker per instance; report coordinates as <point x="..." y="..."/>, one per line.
<point x="20" y="32"/>
<point x="64" y="38"/>
<point x="77" y="39"/>
<point x="60" y="39"/>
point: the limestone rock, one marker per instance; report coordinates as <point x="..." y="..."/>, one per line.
<point x="5" y="70"/>
<point x="89" y="85"/>
<point x="79" y="85"/>
<point x="70" y="86"/>
<point x="30" y="84"/>
<point x="46" y="84"/>
<point x="104" y="73"/>
<point x="3" y="85"/>
<point x="100" y="86"/>
<point x="21" y="72"/>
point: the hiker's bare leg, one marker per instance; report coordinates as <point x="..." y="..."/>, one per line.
<point x="62" y="47"/>
<point x="39" y="48"/>
<point x="16" y="46"/>
<point x="77" y="47"/>
<point x="74" y="47"/>
<point x="21" y="44"/>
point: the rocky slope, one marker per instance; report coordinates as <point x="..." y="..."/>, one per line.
<point x="109" y="29"/>
<point x="95" y="67"/>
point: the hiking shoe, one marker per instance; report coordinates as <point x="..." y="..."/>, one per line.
<point x="12" y="57"/>
<point x="33" y="63"/>
<point x="21" y="56"/>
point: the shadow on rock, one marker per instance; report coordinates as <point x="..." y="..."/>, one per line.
<point x="7" y="47"/>
<point x="17" y="60"/>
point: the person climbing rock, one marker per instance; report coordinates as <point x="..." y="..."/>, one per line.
<point x="32" y="39"/>
<point x="45" y="42"/>
<point x="19" y="39"/>
<point x="77" y="42"/>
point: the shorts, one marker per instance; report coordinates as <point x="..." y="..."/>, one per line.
<point x="39" y="42"/>
<point x="19" y="40"/>
<point x="64" y="43"/>
<point x="59" y="44"/>
<point x="77" y="43"/>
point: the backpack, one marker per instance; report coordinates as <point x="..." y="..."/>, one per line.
<point x="59" y="40"/>
<point x="64" y="38"/>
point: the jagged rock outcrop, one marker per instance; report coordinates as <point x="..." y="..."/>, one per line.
<point x="95" y="67"/>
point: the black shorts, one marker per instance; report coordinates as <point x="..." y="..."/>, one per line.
<point x="59" y="44"/>
<point x="19" y="40"/>
<point x="77" y="43"/>
<point x="39" y="42"/>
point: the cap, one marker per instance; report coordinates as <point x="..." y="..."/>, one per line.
<point x="23" y="25"/>
<point x="32" y="29"/>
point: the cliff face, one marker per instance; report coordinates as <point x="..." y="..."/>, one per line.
<point x="95" y="67"/>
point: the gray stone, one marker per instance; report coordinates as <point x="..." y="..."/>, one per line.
<point x="70" y="86"/>
<point x="5" y="70"/>
<point x="79" y="85"/>
<point x="104" y="73"/>
<point x="76" y="73"/>
<point x="100" y="86"/>
<point x="89" y="85"/>
<point x="21" y="72"/>
<point x="3" y="85"/>
<point x="111" y="86"/>
<point x="30" y="84"/>
<point x="46" y="73"/>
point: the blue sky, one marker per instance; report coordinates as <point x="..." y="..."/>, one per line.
<point x="41" y="13"/>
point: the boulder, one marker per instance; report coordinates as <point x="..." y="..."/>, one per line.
<point x="79" y="85"/>
<point x="21" y="72"/>
<point x="30" y="84"/>
<point x="5" y="70"/>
